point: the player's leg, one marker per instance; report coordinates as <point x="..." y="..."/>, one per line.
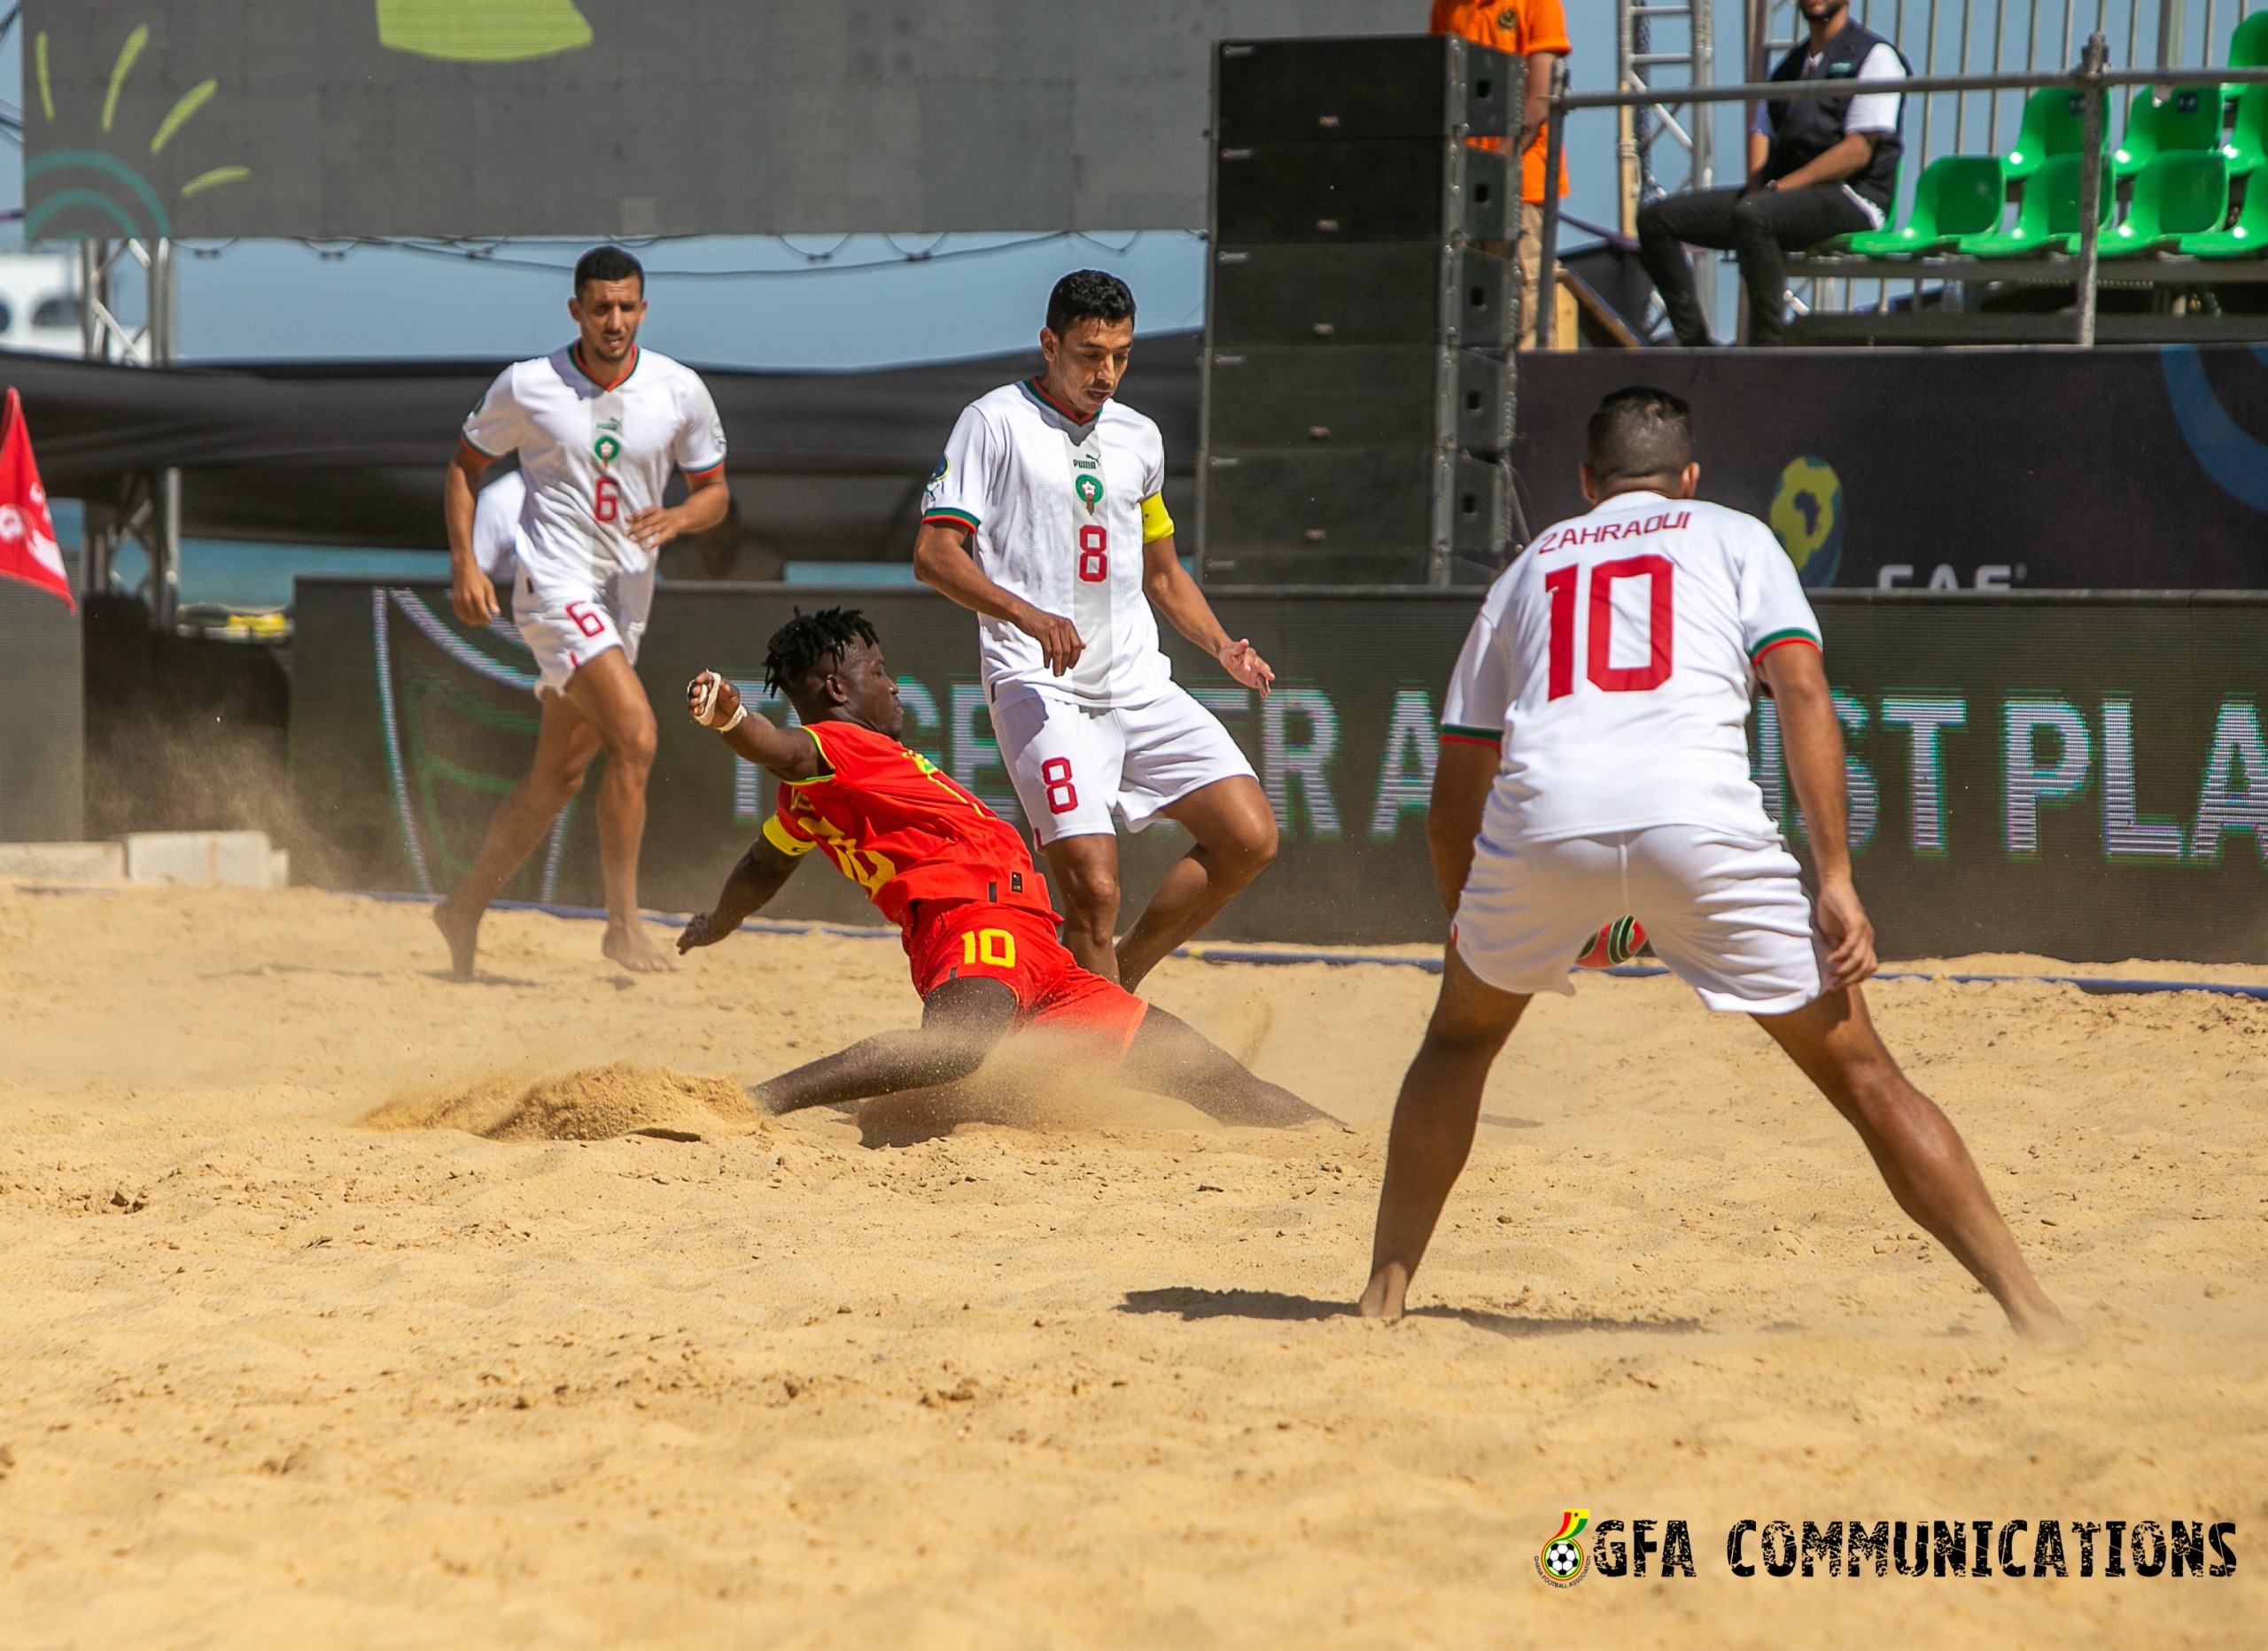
<point x="1729" y="915"/>
<point x="1064" y="761"/>
<point x="1434" y="1117"/>
<point x="1919" y="1153"/>
<point x="565" y="742"/>
<point x="961" y="1021"/>
<point x="1526" y="910"/>
<point x="608" y="692"/>
<point x="1236" y="839"/>
<point x="1169" y="1057"/>
<point x="1085" y="874"/>
<point x="1182" y="763"/>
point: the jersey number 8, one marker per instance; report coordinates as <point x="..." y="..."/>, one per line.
<point x="1094" y="554"/>
<point x="1063" y="795"/>
<point x="606" y="499"/>
<point x="1661" y="626"/>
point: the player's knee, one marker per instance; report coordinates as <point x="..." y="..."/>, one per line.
<point x="1092" y="893"/>
<point x="1248" y="850"/>
<point x="559" y="781"/>
<point x="633" y="747"/>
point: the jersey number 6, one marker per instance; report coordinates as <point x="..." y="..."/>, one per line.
<point x="606" y="499"/>
<point x="1661" y="626"/>
<point x="1094" y="554"/>
<point x="588" y="623"/>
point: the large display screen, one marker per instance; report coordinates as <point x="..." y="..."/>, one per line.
<point x="42" y="717"/>
<point x="197" y="118"/>
<point x="2081" y="777"/>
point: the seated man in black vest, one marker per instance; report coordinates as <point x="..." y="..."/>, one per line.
<point x="1817" y="168"/>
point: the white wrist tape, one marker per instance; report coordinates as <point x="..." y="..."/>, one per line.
<point x="740" y="716"/>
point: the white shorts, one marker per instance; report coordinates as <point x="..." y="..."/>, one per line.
<point x="1072" y="764"/>
<point x="1725" y="912"/>
<point x="566" y="631"/>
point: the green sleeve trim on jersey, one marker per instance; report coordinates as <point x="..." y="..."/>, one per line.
<point x="1794" y="633"/>
<point x="942" y="513"/>
<point x="825" y="768"/>
<point x="1476" y="736"/>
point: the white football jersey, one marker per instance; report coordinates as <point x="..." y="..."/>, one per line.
<point x="1615" y="660"/>
<point x="1055" y="510"/>
<point x="496" y="526"/>
<point x="593" y="457"/>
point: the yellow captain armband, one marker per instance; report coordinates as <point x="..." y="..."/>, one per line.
<point x="780" y="837"/>
<point x="1156" y="524"/>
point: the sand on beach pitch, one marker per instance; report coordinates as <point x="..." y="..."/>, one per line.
<point x="347" y="1305"/>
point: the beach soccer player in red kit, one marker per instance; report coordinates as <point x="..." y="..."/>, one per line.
<point x="954" y="876"/>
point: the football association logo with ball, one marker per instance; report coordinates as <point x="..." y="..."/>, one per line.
<point x="1562" y="1563"/>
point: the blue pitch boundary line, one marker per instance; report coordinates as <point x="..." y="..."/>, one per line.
<point x="2097" y="986"/>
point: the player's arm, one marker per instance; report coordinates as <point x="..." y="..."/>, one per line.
<point x="762" y="872"/>
<point x="471" y="594"/>
<point x="1812" y="736"/>
<point x="942" y="562"/>
<point x="716" y="703"/>
<point x="706" y="501"/>
<point x="1462" y="778"/>
<point x="1175" y="595"/>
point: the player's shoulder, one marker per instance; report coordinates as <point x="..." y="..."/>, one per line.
<point x="666" y="372"/>
<point x="1005" y="404"/>
<point x="1131" y="421"/>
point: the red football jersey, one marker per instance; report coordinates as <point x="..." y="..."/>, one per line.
<point x="900" y="827"/>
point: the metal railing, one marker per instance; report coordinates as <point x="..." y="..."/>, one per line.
<point x="2093" y="75"/>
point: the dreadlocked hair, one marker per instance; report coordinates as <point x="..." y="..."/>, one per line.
<point x="801" y="647"/>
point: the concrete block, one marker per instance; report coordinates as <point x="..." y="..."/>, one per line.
<point x="63" y="861"/>
<point x="201" y="859"/>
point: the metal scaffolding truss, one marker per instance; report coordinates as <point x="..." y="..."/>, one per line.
<point x="148" y="513"/>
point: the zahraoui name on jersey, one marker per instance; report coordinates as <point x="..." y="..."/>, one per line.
<point x="594" y="456"/>
<point x="1054" y="507"/>
<point x="1615" y="662"/>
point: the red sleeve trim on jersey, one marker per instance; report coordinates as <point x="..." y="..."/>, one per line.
<point x="951" y="518"/>
<point x="708" y="470"/>
<point x="1494" y="740"/>
<point x="482" y="453"/>
<point x="1780" y="639"/>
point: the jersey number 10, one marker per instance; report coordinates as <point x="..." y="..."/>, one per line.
<point x="1661" y="627"/>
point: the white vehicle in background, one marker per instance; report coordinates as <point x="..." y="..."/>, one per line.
<point x="39" y="303"/>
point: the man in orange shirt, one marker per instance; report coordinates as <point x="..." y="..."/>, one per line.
<point x="1537" y="31"/>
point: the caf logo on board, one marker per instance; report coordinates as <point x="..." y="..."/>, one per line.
<point x="1562" y="1562"/>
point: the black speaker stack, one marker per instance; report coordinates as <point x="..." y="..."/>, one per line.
<point x="1361" y="306"/>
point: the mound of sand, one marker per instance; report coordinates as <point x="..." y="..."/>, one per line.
<point x="596" y="1103"/>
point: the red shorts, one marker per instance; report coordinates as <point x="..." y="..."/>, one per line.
<point x="1016" y="946"/>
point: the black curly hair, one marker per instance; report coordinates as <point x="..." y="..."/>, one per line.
<point x="1088" y="295"/>
<point x="810" y="642"/>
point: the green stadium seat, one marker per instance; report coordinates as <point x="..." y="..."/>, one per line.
<point x="2048" y="212"/>
<point x="2180" y="193"/>
<point x="1959" y="194"/>
<point x="2188" y="119"/>
<point x="2248" y="237"/>
<point x="2051" y="126"/>
<point x="2248" y="46"/>
<point x="2248" y="140"/>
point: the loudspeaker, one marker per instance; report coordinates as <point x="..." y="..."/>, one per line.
<point x="1358" y="396"/>
<point x="1359" y="312"/>
<point x="1377" y="292"/>
<point x="1397" y="189"/>
<point x="1368" y="501"/>
<point x="1275" y="92"/>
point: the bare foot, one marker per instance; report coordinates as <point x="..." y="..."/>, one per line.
<point x="627" y="945"/>
<point x="461" y="929"/>
<point x="1384" y="1297"/>
<point x="2048" y="1329"/>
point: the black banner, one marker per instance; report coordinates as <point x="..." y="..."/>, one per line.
<point x="2082" y="776"/>
<point x="42" y="717"/>
<point x="2112" y="469"/>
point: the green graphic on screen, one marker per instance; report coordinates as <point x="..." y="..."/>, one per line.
<point x="482" y="31"/>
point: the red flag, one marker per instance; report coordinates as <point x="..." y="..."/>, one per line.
<point x="28" y="547"/>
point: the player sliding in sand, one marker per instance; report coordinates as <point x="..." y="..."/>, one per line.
<point x="1613" y="662"/>
<point x="952" y="874"/>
